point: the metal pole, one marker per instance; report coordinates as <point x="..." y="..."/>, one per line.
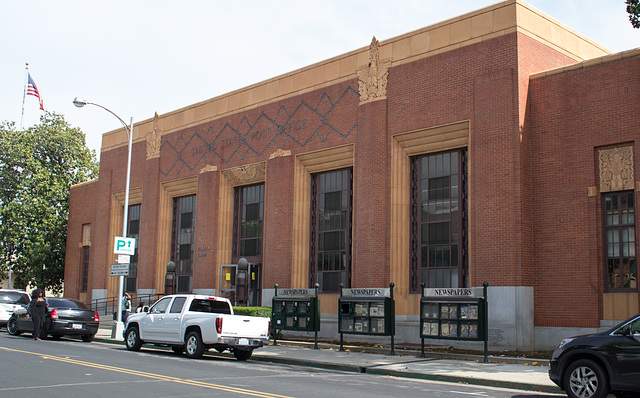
<point x="273" y="306"/>
<point x="317" y="317"/>
<point x="341" y="334"/>
<point x="422" y="285"/>
<point x="118" y="327"/>
<point x="393" y="317"/>
<point x="485" y="284"/>
<point x="125" y="221"/>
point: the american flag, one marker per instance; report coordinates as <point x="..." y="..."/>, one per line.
<point x="33" y="90"/>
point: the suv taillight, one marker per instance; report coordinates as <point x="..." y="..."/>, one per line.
<point x="219" y="325"/>
<point x="54" y="314"/>
<point x="96" y="318"/>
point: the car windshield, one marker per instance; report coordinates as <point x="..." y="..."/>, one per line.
<point x="14" y="298"/>
<point x="65" y="303"/>
<point x="213" y="306"/>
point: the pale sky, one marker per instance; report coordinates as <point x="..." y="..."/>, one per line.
<point x="141" y="57"/>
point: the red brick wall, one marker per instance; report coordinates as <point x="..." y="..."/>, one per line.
<point x="278" y="224"/>
<point x="371" y="210"/>
<point x="570" y="115"/>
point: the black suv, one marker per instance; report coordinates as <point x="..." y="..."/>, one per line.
<point x="595" y="365"/>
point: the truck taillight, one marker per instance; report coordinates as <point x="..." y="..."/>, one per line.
<point x="54" y="314"/>
<point x="269" y="329"/>
<point x="219" y="325"/>
<point x="96" y="318"/>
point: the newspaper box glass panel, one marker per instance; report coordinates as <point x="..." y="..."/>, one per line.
<point x="296" y="313"/>
<point x="366" y="315"/>
<point x="452" y="318"/>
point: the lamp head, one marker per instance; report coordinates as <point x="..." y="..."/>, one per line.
<point x="79" y="102"/>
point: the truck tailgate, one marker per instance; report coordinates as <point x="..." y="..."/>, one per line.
<point x="252" y="327"/>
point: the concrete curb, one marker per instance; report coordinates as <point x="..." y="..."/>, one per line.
<point x="382" y="369"/>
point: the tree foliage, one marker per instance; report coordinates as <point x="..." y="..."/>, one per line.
<point x="633" y="8"/>
<point x="37" y="168"/>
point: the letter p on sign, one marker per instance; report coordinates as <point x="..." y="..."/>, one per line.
<point x="124" y="246"/>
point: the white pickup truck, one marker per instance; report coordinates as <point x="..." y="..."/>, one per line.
<point x="194" y="323"/>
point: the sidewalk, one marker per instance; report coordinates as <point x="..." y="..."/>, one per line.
<point x="528" y="375"/>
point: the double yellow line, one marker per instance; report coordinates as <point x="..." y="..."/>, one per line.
<point x="134" y="372"/>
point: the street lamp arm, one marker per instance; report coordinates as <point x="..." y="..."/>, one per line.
<point x="80" y="102"/>
<point x="121" y="121"/>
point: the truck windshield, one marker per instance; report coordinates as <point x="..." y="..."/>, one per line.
<point x="213" y="306"/>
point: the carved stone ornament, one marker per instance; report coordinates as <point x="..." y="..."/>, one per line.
<point x="208" y="168"/>
<point x="248" y="174"/>
<point x="279" y="153"/>
<point x="372" y="78"/>
<point x="616" y="169"/>
<point x="154" y="140"/>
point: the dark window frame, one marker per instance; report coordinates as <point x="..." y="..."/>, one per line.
<point x="184" y="209"/>
<point x="434" y="194"/>
<point x="617" y="224"/>
<point x="320" y="191"/>
<point x="133" y="231"/>
<point x="84" y="285"/>
<point x="247" y="198"/>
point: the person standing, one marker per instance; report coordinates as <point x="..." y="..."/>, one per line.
<point x="38" y="308"/>
<point x="126" y="307"/>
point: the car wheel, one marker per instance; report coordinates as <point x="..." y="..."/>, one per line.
<point x="177" y="349"/>
<point x="585" y="379"/>
<point x="242" y="355"/>
<point x="88" y="338"/>
<point x="194" y="346"/>
<point x="56" y="336"/>
<point x="132" y="339"/>
<point x="12" y="327"/>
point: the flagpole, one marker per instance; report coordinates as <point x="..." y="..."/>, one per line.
<point x="24" y="94"/>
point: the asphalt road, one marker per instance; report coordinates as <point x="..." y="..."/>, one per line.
<point x="71" y="368"/>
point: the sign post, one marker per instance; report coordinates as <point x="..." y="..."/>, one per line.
<point x="124" y="246"/>
<point x="119" y="269"/>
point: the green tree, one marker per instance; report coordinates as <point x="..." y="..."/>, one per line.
<point x="37" y="168"/>
<point x="633" y="8"/>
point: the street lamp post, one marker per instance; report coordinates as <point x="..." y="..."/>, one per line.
<point x="118" y="327"/>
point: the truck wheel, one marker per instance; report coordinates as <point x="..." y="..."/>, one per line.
<point x="194" y="346"/>
<point x="132" y="339"/>
<point x="12" y="327"/>
<point x="585" y="378"/>
<point x="242" y="355"/>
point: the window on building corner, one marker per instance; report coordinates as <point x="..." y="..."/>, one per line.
<point x="619" y="240"/>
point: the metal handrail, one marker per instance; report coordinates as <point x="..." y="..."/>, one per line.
<point x="109" y="305"/>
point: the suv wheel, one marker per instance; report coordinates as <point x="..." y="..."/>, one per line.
<point x="585" y="379"/>
<point x="132" y="339"/>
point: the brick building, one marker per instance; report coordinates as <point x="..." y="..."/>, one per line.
<point x="497" y="146"/>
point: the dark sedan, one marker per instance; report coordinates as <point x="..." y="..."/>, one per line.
<point x="595" y="365"/>
<point x="66" y="317"/>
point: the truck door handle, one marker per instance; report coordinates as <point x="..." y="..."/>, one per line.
<point x="161" y="318"/>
